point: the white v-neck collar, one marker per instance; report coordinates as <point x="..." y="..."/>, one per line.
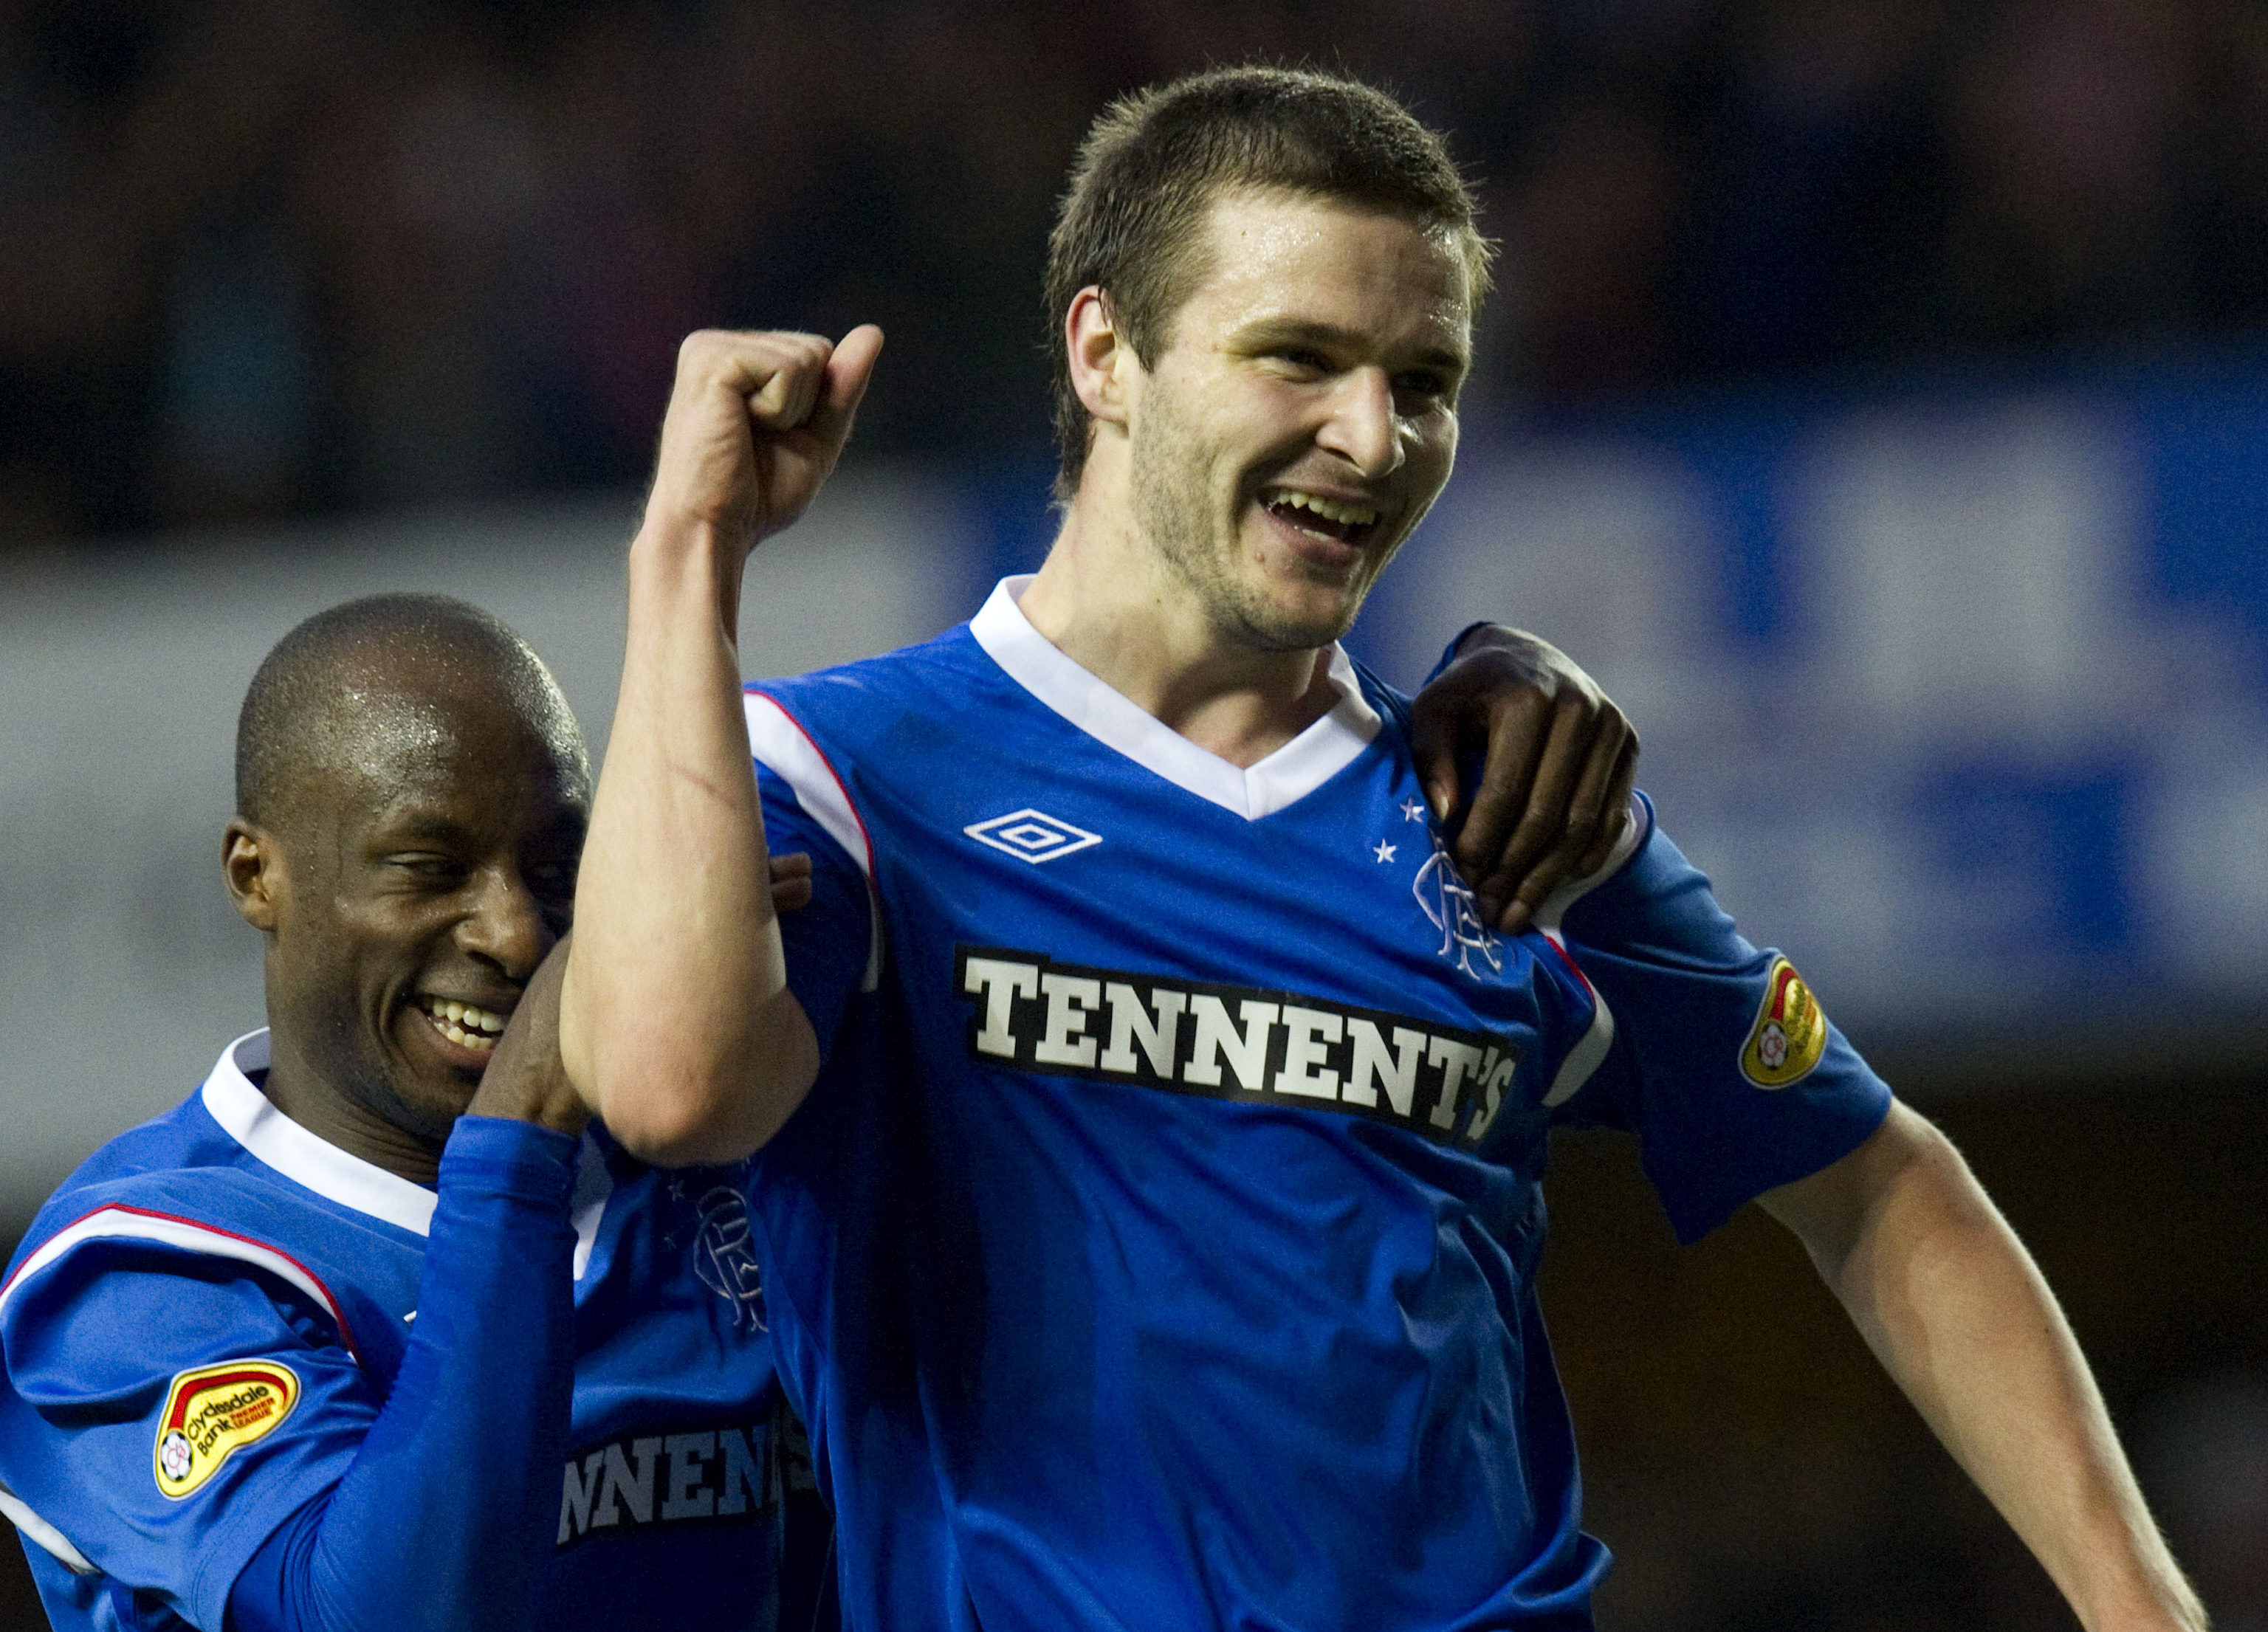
<point x="236" y="1103"/>
<point x="1292" y="772"/>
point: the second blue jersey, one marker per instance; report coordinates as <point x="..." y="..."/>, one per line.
<point x="222" y="1261"/>
<point x="1156" y="1249"/>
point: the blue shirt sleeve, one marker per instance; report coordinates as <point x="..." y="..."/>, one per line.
<point x="175" y="1409"/>
<point x="1723" y="1062"/>
<point x="445" y="1516"/>
<point x="119" y="1336"/>
<point x="830" y="942"/>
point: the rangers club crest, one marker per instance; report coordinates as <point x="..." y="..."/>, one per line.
<point x="1453" y="908"/>
<point x="724" y="1252"/>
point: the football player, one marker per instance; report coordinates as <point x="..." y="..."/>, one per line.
<point x="1150" y="1117"/>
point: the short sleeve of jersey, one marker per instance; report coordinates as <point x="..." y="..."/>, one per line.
<point x="1721" y="1064"/>
<point x="167" y="1410"/>
<point x="828" y="942"/>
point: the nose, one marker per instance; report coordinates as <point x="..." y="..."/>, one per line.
<point x="1364" y="428"/>
<point x="506" y="927"/>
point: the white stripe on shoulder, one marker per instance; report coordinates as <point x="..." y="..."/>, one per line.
<point x="781" y="745"/>
<point x="245" y="1113"/>
<point x="1590" y="1050"/>
<point x="37" y="1529"/>
<point x="121" y="1223"/>
<point x="784" y="747"/>
<point x="1634" y="834"/>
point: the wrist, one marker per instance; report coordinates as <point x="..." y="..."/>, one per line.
<point x="2167" y="1605"/>
<point x="679" y="553"/>
<point x="1476" y="637"/>
<point x="2133" y="1584"/>
<point x="552" y="1104"/>
<point x="671" y="542"/>
<point x="504" y="1155"/>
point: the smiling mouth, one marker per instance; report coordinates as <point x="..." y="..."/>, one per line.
<point x="1341" y="520"/>
<point x="463" y="1023"/>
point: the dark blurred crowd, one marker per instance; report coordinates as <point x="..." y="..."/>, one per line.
<point x="262" y="257"/>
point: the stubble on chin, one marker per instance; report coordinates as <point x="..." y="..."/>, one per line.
<point x="1202" y="552"/>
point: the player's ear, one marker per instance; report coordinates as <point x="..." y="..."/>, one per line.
<point x="1099" y="355"/>
<point x="252" y="869"/>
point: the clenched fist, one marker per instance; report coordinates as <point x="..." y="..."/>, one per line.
<point x="756" y="424"/>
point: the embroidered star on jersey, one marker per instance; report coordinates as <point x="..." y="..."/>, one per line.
<point x="1384" y="852"/>
<point x="1208" y="1028"/>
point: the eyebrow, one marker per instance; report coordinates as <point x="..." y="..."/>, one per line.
<point x="1269" y="332"/>
<point x="420" y="829"/>
<point x="447" y="832"/>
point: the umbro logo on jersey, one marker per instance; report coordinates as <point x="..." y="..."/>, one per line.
<point x="1031" y="835"/>
<point x="1231" y="1042"/>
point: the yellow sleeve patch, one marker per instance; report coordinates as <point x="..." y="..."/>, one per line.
<point x="213" y="1411"/>
<point x="1790" y="1034"/>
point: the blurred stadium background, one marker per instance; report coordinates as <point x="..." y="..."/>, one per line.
<point x="1876" y="398"/>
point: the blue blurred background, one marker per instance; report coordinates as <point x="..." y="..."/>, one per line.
<point x="1875" y="397"/>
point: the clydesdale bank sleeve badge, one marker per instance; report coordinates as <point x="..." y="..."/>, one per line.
<point x="1790" y="1032"/>
<point x="214" y="1410"/>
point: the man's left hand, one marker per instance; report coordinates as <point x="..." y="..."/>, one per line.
<point x="525" y="1079"/>
<point x="1555" y="785"/>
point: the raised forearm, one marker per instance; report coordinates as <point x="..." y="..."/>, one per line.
<point x="1953" y="1307"/>
<point x="676" y="1023"/>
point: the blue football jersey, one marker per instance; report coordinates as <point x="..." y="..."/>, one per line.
<point x="1157" y="1246"/>
<point x="203" y="1322"/>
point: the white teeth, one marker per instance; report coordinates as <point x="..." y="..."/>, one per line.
<point x="1329" y="508"/>
<point x="464" y="1023"/>
<point x="464" y="1039"/>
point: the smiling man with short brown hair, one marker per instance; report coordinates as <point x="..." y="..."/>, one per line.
<point x="1152" y="1118"/>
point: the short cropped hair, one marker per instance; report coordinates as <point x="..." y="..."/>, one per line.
<point x="1153" y="165"/>
<point x="308" y="698"/>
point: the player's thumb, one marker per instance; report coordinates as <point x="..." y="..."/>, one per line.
<point x="849" y="371"/>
